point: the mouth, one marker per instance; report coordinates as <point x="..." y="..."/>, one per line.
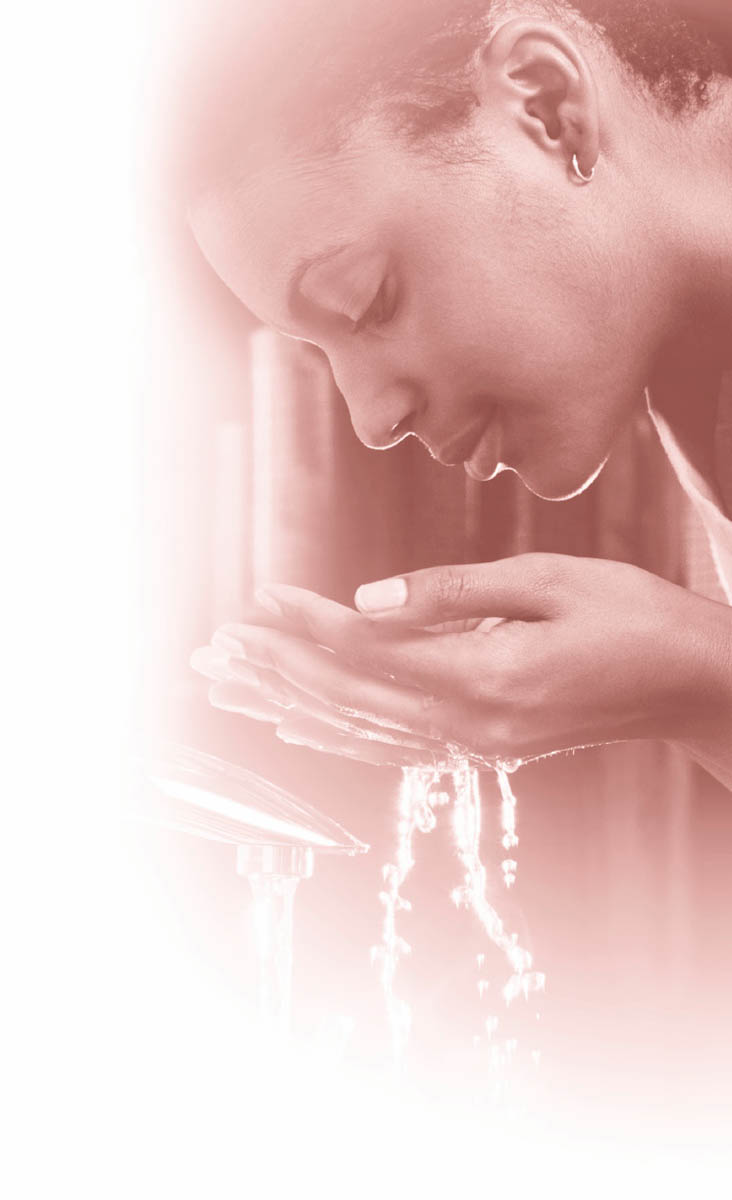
<point x="463" y="448"/>
<point x="484" y="462"/>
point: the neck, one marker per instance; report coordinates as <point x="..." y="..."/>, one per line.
<point x="695" y="172"/>
<point x="693" y="168"/>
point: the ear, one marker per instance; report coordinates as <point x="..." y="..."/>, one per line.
<point x="540" y="74"/>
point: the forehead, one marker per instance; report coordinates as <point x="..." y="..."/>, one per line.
<point x="259" y="230"/>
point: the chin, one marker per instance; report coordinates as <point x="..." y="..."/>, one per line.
<point x="556" y="486"/>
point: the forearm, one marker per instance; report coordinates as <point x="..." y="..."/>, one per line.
<point x="708" y="736"/>
<point x="713" y="752"/>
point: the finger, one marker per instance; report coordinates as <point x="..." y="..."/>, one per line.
<point x="328" y="740"/>
<point x="273" y="704"/>
<point x="467" y="625"/>
<point x="210" y="662"/>
<point x="245" y="688"/>
<point x="329" y="679"/>
<point x="414" y="657"/>
<point x="528" y="587"/>
<point x="256" y="613"/>
<point x="234" y="697"/>
<point x="309" y="614"/>
<point x="354" y="740"/>
<point x="328" y="621"/>
<point x="217" y="664"/>
<point x="260" y="693"/>
<point x="305" y="731"/>
<point x="225" y="667"/>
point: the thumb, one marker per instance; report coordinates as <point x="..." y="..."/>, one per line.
<point x="527" y="587"/>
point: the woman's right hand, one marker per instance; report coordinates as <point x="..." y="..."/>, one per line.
<point x="298" y="717"/>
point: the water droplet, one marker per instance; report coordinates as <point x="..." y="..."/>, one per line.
<point x="439" y="799"/>
<point x="424" y="818"/>
<point x="512" y="989"/>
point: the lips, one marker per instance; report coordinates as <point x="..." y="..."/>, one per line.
<point x="486" y="456"/>
<point x="462" y="448"/>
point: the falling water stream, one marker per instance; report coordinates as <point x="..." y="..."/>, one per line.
<point x="417" y="804"/>
<point x="420" y="796"/>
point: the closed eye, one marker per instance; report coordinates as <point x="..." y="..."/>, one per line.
<point x="380" y="310"/>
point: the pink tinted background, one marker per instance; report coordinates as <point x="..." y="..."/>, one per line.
<point x="624" y="881"/>
<point x="623" y="884"/>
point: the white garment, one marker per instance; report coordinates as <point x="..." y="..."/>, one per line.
<point x="712" y="499"/>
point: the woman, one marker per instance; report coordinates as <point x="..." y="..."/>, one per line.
<point x="507" y="225"/>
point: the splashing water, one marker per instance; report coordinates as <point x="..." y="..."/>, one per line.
<point x="419" y="797"/>
<point x="417" y="803"/>
<point x="508" y="817"/>
<point x="472" y="892"/>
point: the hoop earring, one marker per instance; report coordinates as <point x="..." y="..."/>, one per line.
<point x="578" y="171"/>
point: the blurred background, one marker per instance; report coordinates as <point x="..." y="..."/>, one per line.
<point x="625" y="860"/>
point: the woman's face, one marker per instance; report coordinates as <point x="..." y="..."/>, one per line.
<point x="494" y="308"/>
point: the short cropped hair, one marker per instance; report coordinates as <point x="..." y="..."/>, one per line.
<point x="300" y="72"/>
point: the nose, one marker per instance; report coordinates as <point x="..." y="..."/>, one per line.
<point x="381" y="417"/>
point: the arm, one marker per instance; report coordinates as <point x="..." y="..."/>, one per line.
<point x="586" y="651"/>
<point x="708" y="739"/>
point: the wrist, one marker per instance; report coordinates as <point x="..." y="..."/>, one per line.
<point x="703" y="712"/>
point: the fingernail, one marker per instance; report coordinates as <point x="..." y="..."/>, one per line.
<point x="267" y="600"/>
<point x="226" y="642"/>
<point x="382" y="596"/>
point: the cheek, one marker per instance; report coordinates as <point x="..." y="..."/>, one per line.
<point x="554" y="339"/>
<point x="498" y="320"/>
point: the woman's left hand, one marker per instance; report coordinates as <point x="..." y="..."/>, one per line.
<point x="502" y="660"/>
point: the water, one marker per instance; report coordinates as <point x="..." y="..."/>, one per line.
<point x="509" y="840"/>
<point x="420" y="796"/>
<point x="416" y="813"/>
<point x="272" y="912"/>
<point x="467" y="818"/>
